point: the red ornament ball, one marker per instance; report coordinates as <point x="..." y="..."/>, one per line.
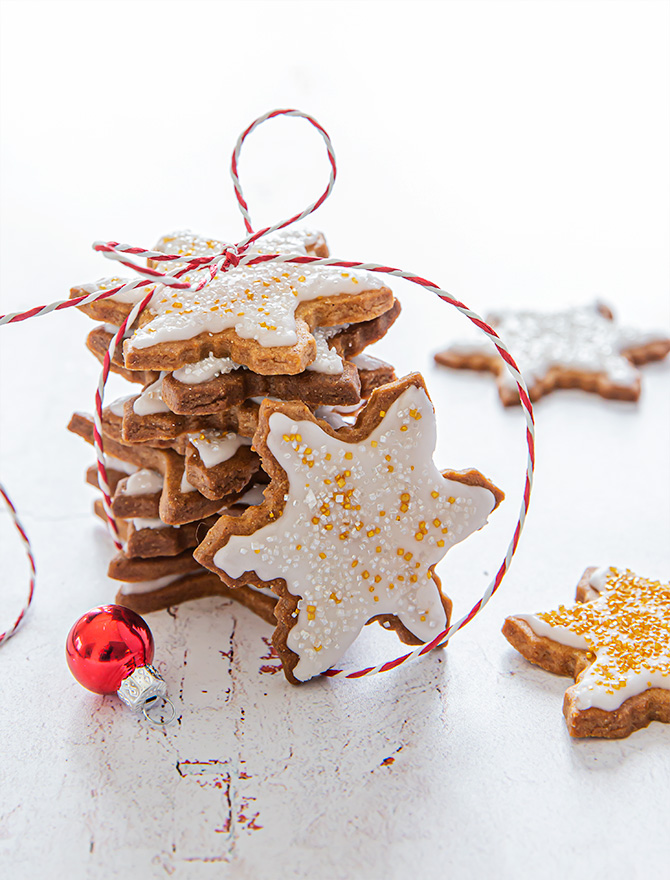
<point x="106" y="645"/>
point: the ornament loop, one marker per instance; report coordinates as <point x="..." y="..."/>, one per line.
<point x="160" y="704"/>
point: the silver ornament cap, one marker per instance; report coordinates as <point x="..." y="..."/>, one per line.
<point x="142" y="688"/>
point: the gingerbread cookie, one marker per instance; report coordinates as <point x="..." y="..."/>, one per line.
<point x="179" y="502"/>
<point x="147" y="419"/>
<point x="262" y="316"/>
<point x="149" y="536"/>
<point x="123" y="568"/>
<point x="218" y="383"/>
<point x="373" y="373"/>
<point x="155" y="595"/>
<point x="574" y="348"/>
<point x="615" y="643"/>
<point x="353" y="524"/>
<point x="98" y="341"/>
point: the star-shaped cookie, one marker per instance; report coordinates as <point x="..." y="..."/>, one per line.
<point x="615" y="642"/>
<point x="574" y="348"/>
<point x="354" y="521"/>
<point x="262" y="316"/>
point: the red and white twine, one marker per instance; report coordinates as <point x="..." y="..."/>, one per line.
<point x="31" y="562"/>
<point x="238" y="255"/>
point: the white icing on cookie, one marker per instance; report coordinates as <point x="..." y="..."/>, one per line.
<point x="259" y="302"/>
<point x="367" y="362"/>
<point x="338" y="416"/>
<point x="559" y="634"/>
<point x="327" y="360"/>
<point x="144" y="482"/>
<point x="150" y="400"/>
<point x="206" y="369"/>
<point x="116" y="406"/>
<point x="259" y="400"/>
<point x="115" y="464"/>
<point x="150" y="523"/>
<point x="253" y="497"/>
<point x="185" y="486"/>
<point x="215" y="447"/>
<point x="149" y="586"/>
<point x="579" y="339"/>
<point x="598" y="580"/>
<point x="627" y="631"/>
<point x="129" y="296"/>
<point x="362" y="526"/>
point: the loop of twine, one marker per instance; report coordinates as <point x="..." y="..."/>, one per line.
<point x="238" y="255"/>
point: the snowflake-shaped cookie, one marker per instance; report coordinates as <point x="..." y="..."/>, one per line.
<point x="354" y="522"/>
<point x="574" y="348"/>
<point x="615" y="642"/>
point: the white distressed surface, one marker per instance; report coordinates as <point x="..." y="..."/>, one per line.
<point x="456" y="767"/>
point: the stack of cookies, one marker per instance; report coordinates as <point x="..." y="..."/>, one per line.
<point x="180" y="452"/>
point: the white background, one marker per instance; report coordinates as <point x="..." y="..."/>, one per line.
<point x="517" y="154"/>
